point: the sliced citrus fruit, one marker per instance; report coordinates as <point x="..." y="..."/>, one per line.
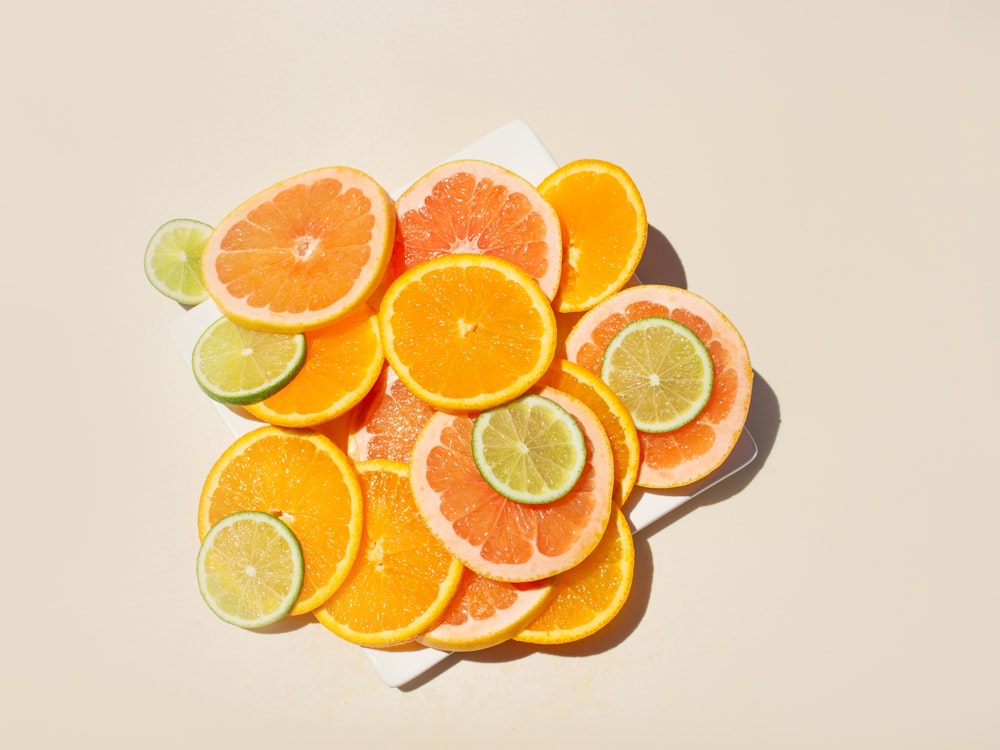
<point x="682" y="456"/>
<point x="172" y="261"/>
<point x="470" y="206"/>
<point x="387" y="421"/>
<point x="250" y="569"/>
<point x="403" y="578"/>
<point x="467" y="332"/>
<point x="343" y="360"/>
<point x="603" y="230"/>
<point x="237" y="365"/>
<point x="530" y="449"/>
<point x="661" y="370"/>
<point x="590" y="595"/>
<point x="577" y="381"/>
<point x="305" y="480"/>
<point x="485" y="613"/>
<point x="499" y="538"/>
<point x="303" y="252"/>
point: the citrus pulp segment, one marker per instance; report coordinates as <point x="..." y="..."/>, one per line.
<point x="685" y="455"/>
<point x="403" y="577"/>
<point x="467" y="332"/>
<point x="662" y="372"/>
<point x="342" y="362"/>
<point x="470" y="206"/>
<point x="485" y="613"/>
<point x="387" y="421"/>
<point x="303" y="252"/>
<point x="496" y="537"/>
<point x="250" y="569"/>
<point x="305" y="480"/>
<point x="237" y="365"/>
<point x="172" y="260"/>
<point x="604" y="230"/>
<point x="529" y="449"/>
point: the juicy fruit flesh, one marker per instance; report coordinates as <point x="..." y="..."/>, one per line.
<point x="173" y="260"/>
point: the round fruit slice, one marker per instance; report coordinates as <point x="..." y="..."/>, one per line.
<point x="403" y="578"/>
<point x="499" y="538"/>
<point x="485" y="613"/>
<point x="387" y="421"/>
<point x="470" y="206"/>
<point x="237" y="365"/>
<point x="604" y="230"/>
<point x="303" y="252"/>
<point x="305" y="480"/>
<point x="250" y="569"/>
<point x="467" y="332"/>
<point x="343" y="361"/>
<point x="173" y="260"/>
<point x="685" y="455"/>
<point x="530" y="450"/>
<point x="661" y="371"/>
<point x="590" y="595"/>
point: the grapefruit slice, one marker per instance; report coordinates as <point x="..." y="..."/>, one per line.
<point x="387" y="421"/>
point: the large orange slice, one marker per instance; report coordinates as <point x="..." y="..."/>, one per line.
<point x="499" y="538"/>
<point x="387" y="421"/>
<point x="682" y="456"/>
<point x="471" y="206"/>
<point x="301" y="253"/>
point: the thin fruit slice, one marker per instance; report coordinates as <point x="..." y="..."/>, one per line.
<point x="499" y="538"/>
<point x="485" y="613"/>
<point x="470" y="206"/>
<point x="343" y="361"/>
<point x="237" y="365"/>
<point x="661" y="370"/>
<point x="530" y="449"/>
<point x="303" y="252"/>
<point x="604" y="230"/>
<point x="305" y="480"/>
<point x="570" y="378"/>
<point x="590" y="595"/>
<point x="250" y="569"/>
<point x="685" y="455"/>
<point x="467" y="332"/>
<point x="403" y="578"/>
<point x="172" y="261"/>
<point x="387" y="421"/>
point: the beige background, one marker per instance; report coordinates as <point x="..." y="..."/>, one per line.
<point x="826" y="173"/>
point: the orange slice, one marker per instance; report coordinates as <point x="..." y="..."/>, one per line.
<point x="343" y="361"/>
<point x="603" y="230"/>
<point x="387" y="421"/>
<point x="499" y="538"/>
<point x="470" y="206"/>
<point x="590" y="595"/>
<point x="485" y="613"/>
<point x="301" y="253"/>
<point x="467" y="332"/>
<point x="684" y="455"/>
<point x="403" y="578"/>
<point x="303" y="479"/>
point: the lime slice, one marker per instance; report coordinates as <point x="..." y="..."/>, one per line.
<point x="530" y="450"/>
<point x="661" y="371"/>
<point x="236" y="365"/>
<point x="250" y="569"/>
<point x="173" y="260"/>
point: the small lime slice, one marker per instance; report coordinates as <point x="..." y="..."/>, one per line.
<point x="173" y="260"/>
<point x="530" y="450"/>
<point x="236" y="365"/>
<point x="250" y="569"/>
<point x="661" y="371"/>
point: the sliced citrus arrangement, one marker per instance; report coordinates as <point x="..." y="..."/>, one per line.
<point x="682" y="456"/>
<point x="603" y="230"/>
<point x="301" y="253"/>
<point x="343" y="360"/>
<point x="172" y="261"/>
<point x="403" y="577"/>
<point x="470" y="206"/>
<point x="467" y="332"/>
<point x="250" y="569"/>
<point x="386" y="423"/>
<point x="307" y="482"/>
